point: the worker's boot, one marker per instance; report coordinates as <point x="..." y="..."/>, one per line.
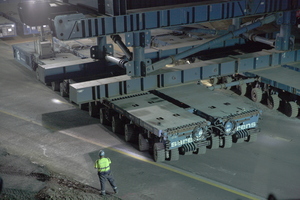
<point x="116" y="190"/>
<point x="103" y="193"/>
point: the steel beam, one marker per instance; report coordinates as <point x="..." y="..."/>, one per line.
<point x="70" y="70"/>
<point x="73" y="26"/>
<point x="166" y="52"/>
<point x="122" y="85"/>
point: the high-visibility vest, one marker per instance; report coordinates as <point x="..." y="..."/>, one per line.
<point x="102" y="164"/>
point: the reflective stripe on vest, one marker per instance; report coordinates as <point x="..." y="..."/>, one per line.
<point x="103" y="164"/>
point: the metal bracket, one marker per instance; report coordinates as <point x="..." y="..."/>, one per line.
<point x="130" y="68"/>
<point x="94" y="51"/>
<point x="109" y="49"/>
<point x="136" y="39"/>
<point x="70" y="24"/>
<point x="284" y="44"/>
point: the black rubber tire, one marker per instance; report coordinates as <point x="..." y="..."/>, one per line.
<point x="62" y="90"/>
<point x="188" y="153"/>
<point x="237" y="140"/>
<point x="83" y="106"/>
<point x="200" y="150"/>
<point x="116" y="124"/>
<point x="213" y="80"/>
<point x="256" y="95"/>
<point x="102" y="115"/>
<point x="242" y="89"/>
<point x="273" y="102"/>
<point x="129" y="132"/>
<point x="251" y="138"/>
<point x="174" y="154"/>
<point x="291" y="109"/>
<point x="55" y="86"/>
<point x="227" y="79"/>
<point x="93" y="109"/>
<point x="214" y="142"/>
<point x="226" y="142"/>
<point x="143" y="143"/>
<point x="159" y="153"/>
<point x="37" y="75"/>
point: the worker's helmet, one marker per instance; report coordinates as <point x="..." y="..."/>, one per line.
<point x="101" y="153"/>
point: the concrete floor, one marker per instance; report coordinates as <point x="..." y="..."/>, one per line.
<point x="37" y="123"/>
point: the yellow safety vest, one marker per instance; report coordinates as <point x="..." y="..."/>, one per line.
<point x="102" y="164"/>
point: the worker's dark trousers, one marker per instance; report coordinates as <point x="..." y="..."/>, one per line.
<point x="106" y="175"/>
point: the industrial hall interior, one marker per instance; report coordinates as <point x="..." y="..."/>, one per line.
<point x="149" y="100"/>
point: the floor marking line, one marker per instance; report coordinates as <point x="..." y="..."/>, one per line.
<point x="161" y="165"/>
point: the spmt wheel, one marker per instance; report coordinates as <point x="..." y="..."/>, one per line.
<point x="291" y="109"/>
<point x="256" y="94"/>
<point x="116" y="124"/>
<point x="55" y="86"/>
<point x="102" y="116"/>
<point x="213" y="80"/>
<point x="159" y="152"/>
<point x="214" y="142"/>
<point x="188" y="153"/>
<point x="37" y="75"/>
<point x="200" y="150"/>
<point x="235" y="139"/>
<point x="226" y="142"/>
<point x="242" y="89"/>
<point x="174" y="154"/>
<point x="273" y="102"/>
<point x="227" y="79"/>
<point x="143" y="143"/>
<point x="129" y="132"/>
<point x="62" y="90"/>
<point x="93" y="109"/>
<point x="251" y="138"/>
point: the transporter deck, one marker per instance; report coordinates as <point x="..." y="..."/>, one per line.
<point x="181" y="119"/>
<point x="156" y="124"/>
<point x="156" y="114"/>
<point x="67" y="60"/>
<point x="279" y="77"/>
<point x="210" y="103"/>
<point x="228" y="117"/>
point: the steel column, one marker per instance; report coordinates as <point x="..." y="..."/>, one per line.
<point x="101" y="41"/>
<point x="284" y="40"/>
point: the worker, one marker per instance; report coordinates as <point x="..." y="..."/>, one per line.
<point x="104" y="172"/>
